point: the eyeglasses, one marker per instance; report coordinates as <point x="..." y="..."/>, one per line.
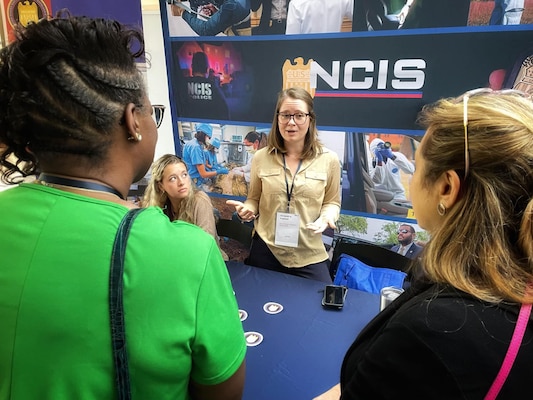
<point x="299" y="118"/>
<point x="158" y="112"/>
<point x="403" y="231"/>
<point x="471" y="94"/>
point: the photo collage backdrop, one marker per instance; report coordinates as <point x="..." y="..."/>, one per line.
<point x="370" y="66"/>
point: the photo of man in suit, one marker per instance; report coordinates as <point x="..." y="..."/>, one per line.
<point x="407" y="247"/>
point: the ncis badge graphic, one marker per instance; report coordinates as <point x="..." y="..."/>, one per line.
<point x="298" y="74"/>
<point x="26" y="11"/>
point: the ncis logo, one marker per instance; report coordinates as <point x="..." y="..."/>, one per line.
<point x="200" y="90"/>
<point x="298" y="75"/>
<point x="26" y="11"/>
<point x="403" y="78"/>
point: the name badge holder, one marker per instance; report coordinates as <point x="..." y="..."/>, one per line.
<point x="287" y="223"/>
<point x="287" y="229"/>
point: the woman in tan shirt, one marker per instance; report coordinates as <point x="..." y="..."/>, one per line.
<point x="294" y="192"/>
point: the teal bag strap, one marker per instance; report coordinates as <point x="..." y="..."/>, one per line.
<point x="116" y="306"/>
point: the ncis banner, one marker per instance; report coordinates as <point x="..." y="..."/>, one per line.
<point x="371" y="82"/>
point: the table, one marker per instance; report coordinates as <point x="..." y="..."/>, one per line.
<point x="303" y="346"/>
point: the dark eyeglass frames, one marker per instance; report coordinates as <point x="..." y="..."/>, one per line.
<point x="158" y="113"/>
<point x="403" y="231"/>
<point x="299" y="118"/>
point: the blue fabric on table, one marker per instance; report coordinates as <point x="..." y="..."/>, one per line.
<point x="355" y="274"/>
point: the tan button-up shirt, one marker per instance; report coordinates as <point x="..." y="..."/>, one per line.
<point x="316" y="193"/>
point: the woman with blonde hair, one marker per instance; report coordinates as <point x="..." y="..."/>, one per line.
<point x="466" y="331"/>
<point x="170" y="187"/>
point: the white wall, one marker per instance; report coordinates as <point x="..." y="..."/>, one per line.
<point x="156" y="78"/>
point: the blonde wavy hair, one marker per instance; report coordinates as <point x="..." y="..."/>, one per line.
<point x="485" y="244"/>
<point x="154" y="196"/>
<point x="312" y="145"/>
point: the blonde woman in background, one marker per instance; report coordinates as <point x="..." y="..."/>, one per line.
<point x="171" y="188"/>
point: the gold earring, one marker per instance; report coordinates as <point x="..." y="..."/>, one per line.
<point x="441" y="209"/>
<point x="136" y="138"/>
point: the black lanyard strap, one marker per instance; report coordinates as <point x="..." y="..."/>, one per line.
<point x="58" y="180"/>
<point x="289" y="192"/>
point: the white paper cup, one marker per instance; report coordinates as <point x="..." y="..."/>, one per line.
<point x="388" y="294"/>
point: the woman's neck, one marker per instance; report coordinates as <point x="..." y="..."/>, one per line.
<point x="175" y="207"/>
<point x="292" y="161"/>
<point x="294" y="152"/>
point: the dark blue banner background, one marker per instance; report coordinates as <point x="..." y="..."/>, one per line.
<point x="454" y="63"/>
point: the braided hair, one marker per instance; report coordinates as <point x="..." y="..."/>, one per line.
<point x="64" y="85"/>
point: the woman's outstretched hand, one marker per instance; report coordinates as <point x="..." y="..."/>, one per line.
<point x="243" y="212"/>
<point x="320" y="225"/>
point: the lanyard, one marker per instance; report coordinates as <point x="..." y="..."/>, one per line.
<point x="58" y="180"/>
<point x="289" y="192"/>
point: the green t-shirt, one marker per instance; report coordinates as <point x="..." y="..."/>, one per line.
<point x="181" y="314"/>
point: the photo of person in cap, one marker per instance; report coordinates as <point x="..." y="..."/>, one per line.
<point x="193" y="155"/>
<point x="200" y="96"/>
<point x="211" y="160"/>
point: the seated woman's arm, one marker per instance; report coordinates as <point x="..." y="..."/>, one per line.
<point x="203" y="214"/>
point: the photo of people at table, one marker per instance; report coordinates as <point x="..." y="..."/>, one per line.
<point x="284" y="17"/>
<point x="235" y="146"/>
<point x="209" y="17"/>
<point x="219" y="156"/>
<point x="376" y="167"/>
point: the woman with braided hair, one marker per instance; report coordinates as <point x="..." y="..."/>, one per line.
<point x="74" y="109"/>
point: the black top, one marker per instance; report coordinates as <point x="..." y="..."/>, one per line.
<point x="436" y="342"/>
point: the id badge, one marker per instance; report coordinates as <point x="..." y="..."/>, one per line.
<point x="287" y="229"/>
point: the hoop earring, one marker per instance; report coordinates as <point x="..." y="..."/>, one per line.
<point x="441" y="209"/>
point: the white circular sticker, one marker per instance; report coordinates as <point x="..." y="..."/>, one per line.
<point x="243" y="315"/>
<point x="253" y="338"/>
<point x="272" y="307"/>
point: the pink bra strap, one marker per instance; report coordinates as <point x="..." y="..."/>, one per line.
<point x="512" y="351"/>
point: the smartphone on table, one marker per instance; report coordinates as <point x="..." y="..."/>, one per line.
<point x="334" y="296"/>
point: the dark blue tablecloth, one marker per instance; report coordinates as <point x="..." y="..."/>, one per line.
<point x="303" y="346"/>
